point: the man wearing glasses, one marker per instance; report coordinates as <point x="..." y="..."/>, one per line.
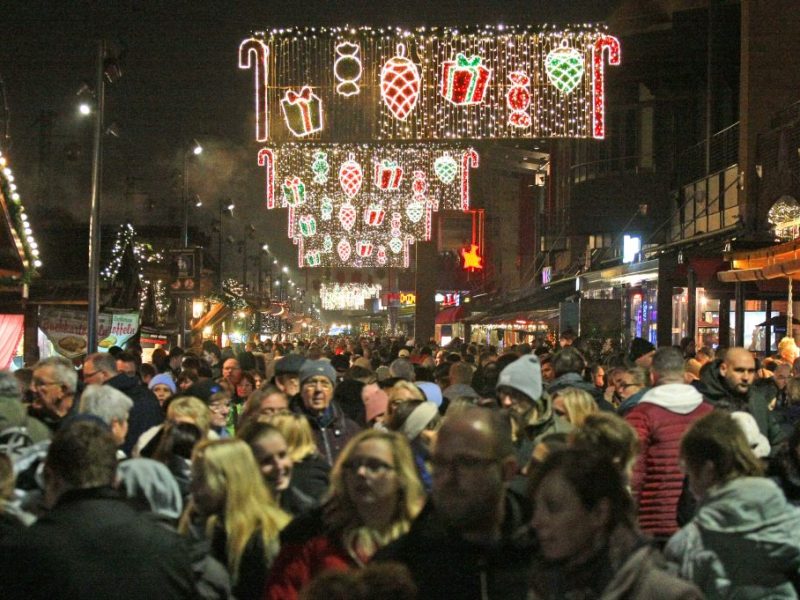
<point x="331" y="427"/>
<point x="466" y="542"/>
<point x="53" y="386"/>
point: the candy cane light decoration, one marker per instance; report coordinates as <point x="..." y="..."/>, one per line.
<point x="469" y="160"/>
<point x="253" y="55"/>
<point x="266" y="158"/>
<point x="603" y="43"/>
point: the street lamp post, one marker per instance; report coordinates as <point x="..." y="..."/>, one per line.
<point x="94" y="213"/>
<point x="195" y="150"/>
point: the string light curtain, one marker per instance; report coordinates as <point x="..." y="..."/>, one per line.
<point x="387" y="84"/>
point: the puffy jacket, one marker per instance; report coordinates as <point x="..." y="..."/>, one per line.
<point x="743" y="543"/>
<point x="712" y="386"/>
<point x="660" y="419"/>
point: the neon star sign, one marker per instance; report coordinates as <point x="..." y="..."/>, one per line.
<point x="473" y="261"/>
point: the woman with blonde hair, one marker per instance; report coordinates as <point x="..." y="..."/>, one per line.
<point x="744" y="539"/>
<point x="185" y="409"/>
<point x="400" y="392"/>
<point x="574" y="405"/>
<point x="310" y="471"/>
<point x="231" y="507"/>
<point x="374" y="496"/>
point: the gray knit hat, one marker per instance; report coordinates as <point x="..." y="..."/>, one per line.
<point x="524" y="375"/>
<point x="311" y="368"/>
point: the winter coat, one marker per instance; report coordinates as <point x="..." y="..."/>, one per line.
<point x="626" y="405"/>
<point x="311" y="476"/>
<point x="145" y="413"/>
<point x="660" y="420"/>
<point x="332" y="429"/>
<point x="712" y="386"/>
<point x="13" y="414"/>
<point x="625" y="568"/>
<point x="93" y="544"/>
<point x="307" y="550"/>
<point x="743" y="543"/>
<point x="249" y="583"/>
<point x="444" y="565"/>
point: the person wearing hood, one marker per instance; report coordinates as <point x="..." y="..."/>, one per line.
<point x="744" y="540"/>
<point x="568" y="366"/>
<point x="664" y="413"/>
<point x="728" y="383"/>
<point x="332" y="428"/>
<point x="519" y="390"/>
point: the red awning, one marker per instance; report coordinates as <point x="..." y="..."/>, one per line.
<point x="450" y="315"/>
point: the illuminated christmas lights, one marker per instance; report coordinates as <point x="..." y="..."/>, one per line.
<point x="400" y="84"/>
<point x="469" y="160"/>
<point x="350" y="177"/>
<point x="464" y="80"/>
<point x="603" y="43"/>
<point x="518" y="99"/>
<point x="564" y="67"/>
<point x="302" y="111"/>
<point x="442" y="84"/>
<point x="347" y="68"/>
<point x="253" y="55"/>
<point x="348" y="296"/>
<point x="21" y="225"/>
<point x="266" y="159"/>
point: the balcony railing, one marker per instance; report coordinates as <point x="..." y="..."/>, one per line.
<point x="723" y="152"/>
<point x="604" y="168"/>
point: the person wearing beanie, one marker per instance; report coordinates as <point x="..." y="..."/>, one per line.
<point x="164" y="388"/>
<point x="287" y="370"/>
<point x="641" y="353"/>
<point x="519" y="391"/>
<point x="332" y="428"/>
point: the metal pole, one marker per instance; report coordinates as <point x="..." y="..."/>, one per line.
<point x="738" y="335"/>
<point x="244" y="261"/>
<point x="219" y="249"/>
<point x="691" y="304"/>
<point x="185" y="226"/>
<point x="790" y="313"/>
<point x="94" y="214"/>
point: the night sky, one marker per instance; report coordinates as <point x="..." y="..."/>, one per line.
<point x="181" y="81"/>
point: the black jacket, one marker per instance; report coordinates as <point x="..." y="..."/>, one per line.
<point x="332" y="429"/>
<point x="446" y="566"/>
<point x="712" y="386"/>
<point x="145" y="413"/>
<point x="311" y="476"/>
<point x="93" y="544"/>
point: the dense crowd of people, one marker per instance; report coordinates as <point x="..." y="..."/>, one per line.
<point x="374" y="467"/>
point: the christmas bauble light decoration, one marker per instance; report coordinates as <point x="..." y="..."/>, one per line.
<point x="415" y="211"/>
<point x="395" y="245"/>
<point x="343" y="249"/>
<point x="347" y="68"/>
<point x="564" y="67"/>
<point x="347" y="216"/>
<point x="302" y="112"/>
<point x="518" y="99"/>
<point x="465" y="80"/>
<point x="400" y="84"/>
<point x="446" y="168"/>
<point x="350" y="177"/>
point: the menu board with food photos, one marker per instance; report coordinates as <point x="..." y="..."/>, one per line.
<point x="67" y="330"/>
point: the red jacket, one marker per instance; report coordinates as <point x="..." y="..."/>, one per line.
<point x="299" y="562"/>
<point x="660" y="420"/>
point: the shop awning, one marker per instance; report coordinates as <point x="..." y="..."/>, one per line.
<point x="774" y="262"/>
<point x="218" y="312"/>
<point x="520" y="318"/>
<point x="454" y="314"/>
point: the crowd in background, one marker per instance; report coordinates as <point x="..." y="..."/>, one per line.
<point x="377" y="467"/>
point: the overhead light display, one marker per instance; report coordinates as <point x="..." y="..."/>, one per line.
<point x="380" y="200"/>
<point x="430" y="84"/>
<point x="347" y="296"/>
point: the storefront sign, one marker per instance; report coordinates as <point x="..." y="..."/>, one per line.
<point x="66" y="330"/>
<point x="184" y="271"/>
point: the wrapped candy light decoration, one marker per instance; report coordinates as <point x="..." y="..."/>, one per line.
<point x="347" y="296"/>
<point x="436" y="83"/>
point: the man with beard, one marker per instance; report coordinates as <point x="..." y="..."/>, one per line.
<point x="468" y="542"/>
<point x="728" y="383"/>
<point x="519" y="391"/>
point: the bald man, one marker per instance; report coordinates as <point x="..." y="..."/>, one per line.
<point x="462" y="544"/>
<point x="728" y="383"/>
